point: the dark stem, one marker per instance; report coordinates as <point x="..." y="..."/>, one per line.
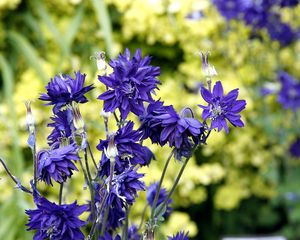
<point x="33" y="149"/>
<point x="14" y="178"/>
<point x="102" y="205"/>
<point x="159" y="186"/>
<point x="161" y="207"/>
<point x="125" y="227"/>
<point x="61" y="187"/>
<point x="104" y="221"/>
<point x="92" y="155"/>
<point x="143" y="217"/>
<point x="89" y="179"/>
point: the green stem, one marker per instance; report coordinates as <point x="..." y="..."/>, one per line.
<point x="159" y="186"/>
<point x="60" y="193"/>
<point x="125" y="227"/>
<point x="161" y="207"/>
<point x="143" y="216"/>
<point x="91" y="153"/>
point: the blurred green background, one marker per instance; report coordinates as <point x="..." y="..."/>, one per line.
<point x="243" y="183"/>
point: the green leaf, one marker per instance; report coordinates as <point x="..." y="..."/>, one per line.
<point x="45" y="17"/>
<point x="160" y="211"/>
<point x="105" y="23"/>
<point x="8" y="88"/>
<point x="74" y="26"/>
<point x="27" y="50"/>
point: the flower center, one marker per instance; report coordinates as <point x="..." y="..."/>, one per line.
<point x="216" y="111"/>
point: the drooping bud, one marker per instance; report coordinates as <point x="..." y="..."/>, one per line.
<point x="29" y="118"/>
<point x="111" y="151"/>
<point x="208" y="70"/>
<point x="30" y="125"/>
<point x="105" y="114"/>
<point x="100" y="61"/>
<point x="77" y="119"/>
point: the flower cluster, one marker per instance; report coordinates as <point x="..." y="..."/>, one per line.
<point x="130" y="85"/>
<point x="260" y="14"/>
<point x="54" y="221"/>
<point x="115" y="181"/>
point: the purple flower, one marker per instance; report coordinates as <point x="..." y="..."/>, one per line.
<point x="62" y="128"/>
<point x="133" y="233"/>
<point x="151" y="191"/>
<point x="63" y="90"/>
<point x="281" y="32"/>
<point x="57" y="163"/>
<point x="179" y="236"/>
<point x="295" y="148"/>
<point x="127" y="184"/>
<point x="221" y="107"/>
<point x="289" y="94"/>
<point x="162" y="124"/>
<point x="55" y="222"/>
<point x="107" y="236"/>
<point x="131" y="83"/>
<point x="288" y="3"/>
<point x="151" y="125"/>
<point x="129" y="150"/>
<point x="231" y="8"/>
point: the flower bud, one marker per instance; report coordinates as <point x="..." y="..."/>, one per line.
<point x="208" y="70"/>
<point x="105" y="114"/>
<point x="29" y="118"/>
<point x="77" y="119"/>
<point x="111" y="151"/>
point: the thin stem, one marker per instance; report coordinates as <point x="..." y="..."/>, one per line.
<point x="33" y="149"/>
<point x="14" y="178"/>
<point x="159" y="185"/>
<point x="102" y="205"/>
<point x="89" y="180"/>
<point x="116" y="117"/>
<point x="91" y="153"/>
<point x="104" y="221"/>
<point x="143" y="216"/>
<point x="60" y="193"/>
<point x="125" y="227"/>
<point x="161" y="207"/>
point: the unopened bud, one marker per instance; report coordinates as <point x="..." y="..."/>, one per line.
<point x="111" y="151"/>
<point x="29" y="118"/>
<point x="208" y="70"/>
<point x="100" y="60"/>
<point x="105" y="114"/>
<point x="77" y="119"/>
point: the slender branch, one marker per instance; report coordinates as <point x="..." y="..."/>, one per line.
<point x="143" y="216"/>
<point x="125" y="227"/>
<point x="61" y="187"/>
<point x="159" y="185"/>
<point x="92" y="155"/>
<point x="102" y="205"/>
<point x="14" y="178"/>
<point x="89" y="179"/>
<point x="33" y="149"/>
<point x="161" y="207"/>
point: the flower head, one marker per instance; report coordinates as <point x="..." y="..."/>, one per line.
<point x="127" y="184"/>
<point x="221" y="107"/>
<point x="295" y="148"/>
<point x="62" y="128"/>
<point x="133" y="233"/>
<point x="126" y="149"/>
<point x="63" y="90"/>
<point x="289" y="94"/>
<point x="55" y="222"/>
<point x="179" y="236"/>
<point x="57" y="163"/>
<point x="151" y="192"/>
<point x="131" y="83"/>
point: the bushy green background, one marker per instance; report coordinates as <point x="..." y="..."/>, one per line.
<point x="238" y="184"/>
